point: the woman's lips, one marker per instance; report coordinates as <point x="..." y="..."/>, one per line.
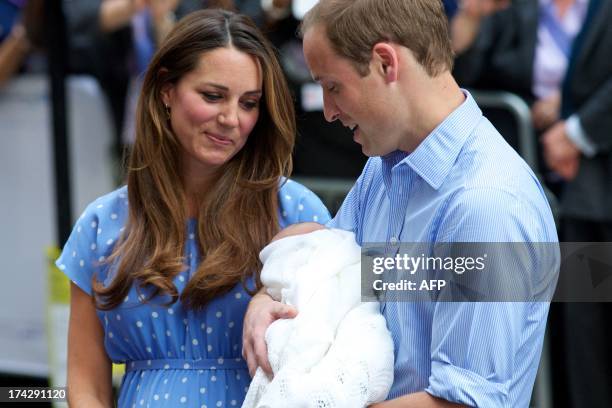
<point x="223" y="141"/>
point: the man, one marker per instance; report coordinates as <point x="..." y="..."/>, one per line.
<point x="438" y="172"/>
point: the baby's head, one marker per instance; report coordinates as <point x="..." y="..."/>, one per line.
<point x="298" y="229"/>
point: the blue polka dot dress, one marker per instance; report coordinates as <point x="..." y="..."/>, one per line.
<point x="174" y="357"/>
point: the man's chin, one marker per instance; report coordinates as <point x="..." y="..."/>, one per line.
<point x="374" y="152"/>
<point x="366" y="148"/>
<point x="367" y="151"/>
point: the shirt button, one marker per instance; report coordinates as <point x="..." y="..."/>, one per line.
<point x="393" y="240"/>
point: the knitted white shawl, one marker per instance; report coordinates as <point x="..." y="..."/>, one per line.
<point x="337" y="352"/>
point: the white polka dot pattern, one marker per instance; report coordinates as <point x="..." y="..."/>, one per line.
<point x="145" y="330"/>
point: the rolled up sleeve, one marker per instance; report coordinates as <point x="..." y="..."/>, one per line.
<point x="473" y="352"/>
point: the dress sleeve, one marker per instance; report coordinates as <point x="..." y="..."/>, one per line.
<point x="79" y="259"/>
<point x="299" y="204"/>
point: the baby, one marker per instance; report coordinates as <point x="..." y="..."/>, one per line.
<point x="337" y="352"/>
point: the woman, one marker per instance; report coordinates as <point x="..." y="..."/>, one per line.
<point x="159" y="267"/>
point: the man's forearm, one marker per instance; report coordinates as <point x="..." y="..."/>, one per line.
<point x="115" y="14"/>
<point x="416" y="400"/>
<point x="12" y="53"/>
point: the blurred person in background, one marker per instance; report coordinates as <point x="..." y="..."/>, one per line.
<point x="555" y="54"/>
<point x="21" y="33"/>
<point x="162" y="269"/>
<point x="338" y="156"/>
<point x="114" y="40"/>
<point x="450" y="7"/>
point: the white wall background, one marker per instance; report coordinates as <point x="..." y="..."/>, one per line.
<point x="27" y="204"/>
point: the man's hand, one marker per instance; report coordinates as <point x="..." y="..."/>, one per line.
<point x="545" y="112"/>
<point x="465" y="25"/>
<point x="260" y="314"/>
<point x="560" y="154"/>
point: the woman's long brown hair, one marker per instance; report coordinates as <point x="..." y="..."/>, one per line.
<point x="238" y="215"/>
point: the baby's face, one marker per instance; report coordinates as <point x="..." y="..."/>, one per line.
<point x="298" y="229"/>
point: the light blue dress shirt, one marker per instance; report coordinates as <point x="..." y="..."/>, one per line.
<point x="463" y="183"/>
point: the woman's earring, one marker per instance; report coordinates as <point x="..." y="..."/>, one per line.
<point x="167" y="111"/>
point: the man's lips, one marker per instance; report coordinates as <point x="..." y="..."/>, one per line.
<point x="356" y="133"/>
<point x="351" y="126"/>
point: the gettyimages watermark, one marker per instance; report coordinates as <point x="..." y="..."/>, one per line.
<point x="487" y="272"/>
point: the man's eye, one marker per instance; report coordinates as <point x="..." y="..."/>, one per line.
<point x="332" y="88"/>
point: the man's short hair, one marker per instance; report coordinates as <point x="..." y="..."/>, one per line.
<point x="355" y="26"/>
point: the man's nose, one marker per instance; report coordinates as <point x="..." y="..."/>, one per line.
<point x="330" y="110"/>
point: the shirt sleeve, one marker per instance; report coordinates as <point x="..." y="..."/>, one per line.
<point x="79" y="259"/>
<point x="478" y="349"/>
<point x="349" y="215"/>
<point x="576" y="133"/>
<point x="346" y="218"/>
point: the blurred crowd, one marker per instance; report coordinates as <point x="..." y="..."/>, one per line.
<point x="551" y="53"/>
<point x="554" y="55"/>
<point x="113" y="40"/>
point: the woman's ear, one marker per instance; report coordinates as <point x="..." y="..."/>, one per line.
<point x="386" y="61"/>
<point x="165" y="94"/>
<point x="166" y="88"/>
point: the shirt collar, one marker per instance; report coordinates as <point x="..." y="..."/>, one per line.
<point x="435" y="156"/>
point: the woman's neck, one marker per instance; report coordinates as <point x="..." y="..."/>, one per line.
<point x="196" y="183"/>
<point x="195" y="190"/>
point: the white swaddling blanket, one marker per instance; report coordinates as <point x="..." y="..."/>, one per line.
<point x="337" y="352"/>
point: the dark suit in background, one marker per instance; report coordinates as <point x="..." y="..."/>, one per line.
<point x="502" y="58"/>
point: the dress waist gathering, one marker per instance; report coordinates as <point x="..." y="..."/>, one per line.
<point x="186" y="364"/>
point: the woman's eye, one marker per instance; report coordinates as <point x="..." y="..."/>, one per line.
<point x="212" y="97"/>
<point x="250" y="105"/>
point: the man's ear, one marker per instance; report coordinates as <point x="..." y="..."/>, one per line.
<point x="386" y="59"/>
